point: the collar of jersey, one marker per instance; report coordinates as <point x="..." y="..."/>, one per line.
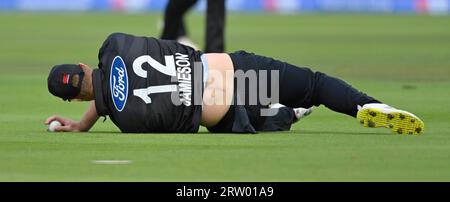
<point x="100" y="104"/>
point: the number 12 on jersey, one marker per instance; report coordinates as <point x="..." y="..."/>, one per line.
<point x="168" y="69"/>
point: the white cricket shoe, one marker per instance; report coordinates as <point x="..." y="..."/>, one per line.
<point x="301" y="113"/>
<point x="187" y="42"/>
<point x="298" y="112"/>
<point x="382" y="115"/>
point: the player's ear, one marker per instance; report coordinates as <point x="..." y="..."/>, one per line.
<point x="84" y="66"/>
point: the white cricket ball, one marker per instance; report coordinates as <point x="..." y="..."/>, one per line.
<point x="53" y="125"/>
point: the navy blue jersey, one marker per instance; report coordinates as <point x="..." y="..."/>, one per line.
<point x="148" y="85"/>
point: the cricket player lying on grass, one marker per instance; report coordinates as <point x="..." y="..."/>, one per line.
<point x="146" y="85"/>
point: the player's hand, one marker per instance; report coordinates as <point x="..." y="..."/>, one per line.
<point x="67" y="125"/>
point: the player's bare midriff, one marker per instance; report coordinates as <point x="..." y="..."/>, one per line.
<point x="218" y="92"/>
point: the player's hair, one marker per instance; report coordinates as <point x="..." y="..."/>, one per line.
<point x="75" y="80"/>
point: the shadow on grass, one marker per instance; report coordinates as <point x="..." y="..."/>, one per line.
<point x="118" y="132"/>
<point x="103" y="132"/>
<point x="292" y="132"/>
<point x="341" y="133"/>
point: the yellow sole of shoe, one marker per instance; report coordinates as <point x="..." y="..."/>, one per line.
<point x="398" y="122"/>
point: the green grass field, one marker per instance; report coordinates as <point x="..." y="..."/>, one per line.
<point x="400" y="59"/>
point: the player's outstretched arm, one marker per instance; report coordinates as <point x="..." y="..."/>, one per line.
<point x="87" y="121"/>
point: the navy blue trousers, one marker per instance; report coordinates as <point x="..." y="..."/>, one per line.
<point x="302" y="87"/>
<point x="174" y="26"/>
<point x="297" y="87"/>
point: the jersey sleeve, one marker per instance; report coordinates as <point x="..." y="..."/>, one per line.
<point x="109" y="47"/>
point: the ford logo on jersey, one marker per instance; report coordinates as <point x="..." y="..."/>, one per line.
<point x="119" y="83"/>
